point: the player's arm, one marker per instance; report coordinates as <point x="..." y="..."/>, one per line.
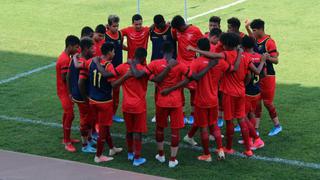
<point x="261" y="65"/>
<point x="198" y="76"/>
<point x="83" y="89"/>
<point x="122" y="79"/>
<point x="181" y="84"/>
<point x="247" y="26"/>
<point x="135" y="72"/>
<point x="68" y="78"/>
<point x="238" y="61"/>
<point x="273" y="59"/>
<point x="248" y="78"/>
<point x="164" y="73"/>
<point x="100" y="68"/>
<point x="207" y="53"/>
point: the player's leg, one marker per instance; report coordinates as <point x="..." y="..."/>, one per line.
<point x="85" y="125"/>
<point x="67" y="118"/>
<point x="201" y="120"/>
<point x="129" y="135"/>
<point x="139" y="127"/>
<point x="116" y="97"/>
<point x="192" y="96"/>
<point x="161" y="123"/>
<point x="155" y="102"/>
<point x="268" y="97"/>
<point x="220" y="113"/>
<point x="228" y="117"/>
<point x="213" y="124"/>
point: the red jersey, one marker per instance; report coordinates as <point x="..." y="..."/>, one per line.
<point x="62" y="66"/>
<point x="271" y="46"/>
<point x="175" y="75"/>
<point x="134" y="90"/>
<point x="189" y="37"/>
<point x="97" y="48"/>
<point x="135" y="39"/>
<point x="233" y="82"/>
<point x="207" y="87"/>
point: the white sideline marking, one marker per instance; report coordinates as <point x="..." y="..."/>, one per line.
<point x="149" y="140"/>
<point x="17" y="76"/>
<point x="216" y="9"/>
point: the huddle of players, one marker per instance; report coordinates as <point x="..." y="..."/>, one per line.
<point x="220" y="76"/>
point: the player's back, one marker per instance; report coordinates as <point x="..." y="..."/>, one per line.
<point x="99" y="87"/>
<point x="233" y="82"/>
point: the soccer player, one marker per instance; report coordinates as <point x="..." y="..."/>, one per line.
<point x="233" y="88"/>
<point x="161" y="32"/>
<point x="234" y="26"/>
<point x="265" y="44"/>
<point x="99" y="39"/>
<point x="207" y="73"/>
<point x="253" y="90"/>
<point x="62" y="66"/>
<point x="186" y="34"/>
<point x="214" y="22"/>
<point x="134" y="105"/>
<point x="86" y="45"/>
<point x="113" y="35"/>
<point x="100" y="98"/>
<point x="137" y="35"/>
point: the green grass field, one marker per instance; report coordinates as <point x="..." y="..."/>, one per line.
<point x="33" y="33"/>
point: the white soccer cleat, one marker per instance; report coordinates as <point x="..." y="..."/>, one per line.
<point x="114" y="151"/>
<point x="173" y="164"/>
<point x="220" y="154"/>
<point x="211" y="138"/>
<point x="102" y="158"/>
<point x="190" y="141"/>
<point x="161" y="159"/>
<point x="153" y="119"/>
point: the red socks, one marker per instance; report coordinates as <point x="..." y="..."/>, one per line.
<point x="175" y="137"/>
<point x="129" y="139"/>
<point x="215" y="131"/>
<point x="159" y="134"/>
<point x="229" y="133"/>
<point x="137" y="148"/>
<point x="205" y="141"/>
<point x="245" y="134"/>
<point x="67" y="123"/>
<point x="192" y="131"/>
<point x="252" y="130"/>
<point x="104" y="135"/>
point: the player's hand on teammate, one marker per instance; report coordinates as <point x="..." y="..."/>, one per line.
<point x="264" y="57"/>
<point x="172" y="63"/>
<point x="191" y="48"/>
<point x="213" y="62"/>
<point x="165" y="92"/>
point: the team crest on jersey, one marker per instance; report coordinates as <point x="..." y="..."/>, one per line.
<point x="165" y="37"/>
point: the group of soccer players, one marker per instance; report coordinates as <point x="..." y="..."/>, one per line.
<point x="229" y="74"/>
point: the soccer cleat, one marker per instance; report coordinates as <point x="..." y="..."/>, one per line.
<point x="237" y="128"/>
<point x="229" y="151"/>
<point x="117" y="119"/>
<point x="190" y="141"/>
<point x="95" y="136"/>
<point x="153" y="119"/>
<point x="248" y="153"/>
<point x="88" y="149"/>
<point x="190" y="120"/>
<point x="258" y="143"/>
<point x="275" y="130"/>
<point x="92" y="142"/>
<point x="204" y="157"/>
<point x="161" y="159"/>
<point x="220" y="122"/>
<point x="114" y="151"/>
<point x="130" y="156"/>
<point x="69" y="147"/>
<point x="102" y="158"/>
<point x="173" y="164"/>
<point x="211" y="138"/>
<point x="185" y="120"/>
<point x="220" y="154"/>
<point x="138" y="162"/>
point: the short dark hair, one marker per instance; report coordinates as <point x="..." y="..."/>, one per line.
<point x="140" y="53"/>
<point x="72" y="40"/>
<point x="136" y="17"/>
<point x="113" y="19"/>
<point x="100" y="29"/>
<point x="231" y="40"/>
<point x="203" y="44"/>
<point x="86" y="42"/>
<point x="257" y="24"/>
<point x="167" y="47"/>
<point x="215" y="32"/>
<point x="106" y="48"/>
<point x="247" y="42"/>
<point x="86" y="31"/>
<point x="215" y="19"/>
<point x="177" y="21"/>
<point x="234" y="22"/>
<point x="158" y="19"/>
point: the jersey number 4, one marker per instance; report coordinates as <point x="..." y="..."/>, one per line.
<point x="96" y="78"/>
